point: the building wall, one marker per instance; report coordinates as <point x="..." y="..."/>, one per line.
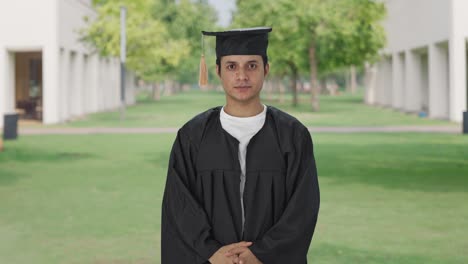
<point x="93" y="82"/>
<point x="25" y="25"/>
<point x="427" y="40"/>
<point x="458" y="60"/>
<point x="415" y="23"/>
<point x="75" y="80"/>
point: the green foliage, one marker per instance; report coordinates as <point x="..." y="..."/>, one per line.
<point x="185" y="20"/>
<point x="162" y="35"/>
<point x="344" y="32"/>
<point x="285" y="53"/>
<point x="351" y="36"/>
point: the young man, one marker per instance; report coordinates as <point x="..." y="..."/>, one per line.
<point x="242" y="182"/>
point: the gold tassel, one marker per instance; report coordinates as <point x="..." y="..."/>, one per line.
<point x="203" y="78"/>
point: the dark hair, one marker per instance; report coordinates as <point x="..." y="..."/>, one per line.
<point x="264" y="58"/>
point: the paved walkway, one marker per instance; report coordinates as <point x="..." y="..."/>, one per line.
<point x="148" y="130"/>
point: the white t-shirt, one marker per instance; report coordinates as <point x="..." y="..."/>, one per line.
<point x="243" y="129"/>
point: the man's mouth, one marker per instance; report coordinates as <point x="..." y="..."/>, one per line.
<point x="243" y="86"/>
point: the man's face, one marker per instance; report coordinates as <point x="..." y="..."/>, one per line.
<point x="242" y="76"/>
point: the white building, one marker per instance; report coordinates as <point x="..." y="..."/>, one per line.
<point x="46" y="73"/>
<point x="424" y="66"/>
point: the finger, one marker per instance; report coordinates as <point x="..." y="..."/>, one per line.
<point x="239" y="244"/>
<point x="236" y="251"/>
<point x="243" y="244"/>
<point x="236" y="260"/>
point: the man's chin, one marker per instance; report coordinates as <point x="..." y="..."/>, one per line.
<point x="243" y="99"/>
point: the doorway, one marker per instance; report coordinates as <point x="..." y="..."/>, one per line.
<point x="28" y="85"/>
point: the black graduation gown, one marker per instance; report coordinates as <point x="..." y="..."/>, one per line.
<point x="201" y="209"/>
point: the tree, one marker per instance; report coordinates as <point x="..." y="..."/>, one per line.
<point x="320" y="35"/>
<point x="185" y="20"/>
<point x="286" y="56"/>
<point x="341" y="33"/>
<point x="151" y="52"/>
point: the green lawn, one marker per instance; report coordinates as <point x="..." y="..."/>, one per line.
<point x="386" y="198"/>
<point x="173" y="111"/>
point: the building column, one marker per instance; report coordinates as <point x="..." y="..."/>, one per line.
<point x="100" y="87"/>
<point x="72" y="85"/>
<point x="64" y="84"/>
<point x="424" y="81"/>
<point x="78" y="72"/>
<point x="7" y="83"/>
<point x="379" y="82"/>
<point x="457" y="61"/>
<point x="370" y="83"/>
<point x="107" y="80"/>
<point x="457" y="78"/>
<point x="94" y="82"/>
<point x="413" y="88"/>
<point x="51" y="84"/>
<point x="438" y="82"/>
<point x="116" y="82"/>
<point x="398" y="80"/>
<point x="86" y="92"/>
<point x="387" y="82"/>
<point x="3" y="82"/>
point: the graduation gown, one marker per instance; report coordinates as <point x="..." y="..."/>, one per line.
<point x="201" y="209"/>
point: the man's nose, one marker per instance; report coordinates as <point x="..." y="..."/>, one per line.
<point x="242" y="74"/>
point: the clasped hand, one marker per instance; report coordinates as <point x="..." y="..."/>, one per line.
<point x="237" y="253"/>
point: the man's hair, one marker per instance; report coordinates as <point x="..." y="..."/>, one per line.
<point x="218" y="62"/>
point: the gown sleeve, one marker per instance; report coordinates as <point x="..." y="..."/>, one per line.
<point x="289" y="239"/>
<point x="186" y="230"/>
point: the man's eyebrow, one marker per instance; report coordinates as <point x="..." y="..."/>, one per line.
<point x="235" y="62"/>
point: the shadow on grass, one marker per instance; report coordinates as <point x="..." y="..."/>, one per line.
<point x="328" y="253"/>
<point x="158" y="160"/>
<point x="417" y="167"/>
<point x="8" y="176"/>
<point x="26" y="155"/>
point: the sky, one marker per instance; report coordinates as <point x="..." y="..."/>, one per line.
<point x="224" y="8"/>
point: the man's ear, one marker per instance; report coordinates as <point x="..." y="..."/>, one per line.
<point x="267" y="69"/>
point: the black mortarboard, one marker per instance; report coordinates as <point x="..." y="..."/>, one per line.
<point x="243" y="41"/>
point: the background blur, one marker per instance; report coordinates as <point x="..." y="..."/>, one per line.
<point x="382" y="86"/>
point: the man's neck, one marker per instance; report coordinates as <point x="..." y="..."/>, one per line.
<point x="243" y="109"/>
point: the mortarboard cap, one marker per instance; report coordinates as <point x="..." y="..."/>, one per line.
<point x="243" y="41"/>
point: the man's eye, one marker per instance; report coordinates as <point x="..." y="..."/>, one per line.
<point x="231" y="67"/>
<point x="252" y="66"/>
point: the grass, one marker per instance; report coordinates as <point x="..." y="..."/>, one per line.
<point x="173" y="111"/>
<point x="386" y="198"/>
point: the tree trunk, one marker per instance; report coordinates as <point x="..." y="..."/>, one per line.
<point x="177" y="87"/>
<point x="269" y="88"/>
<point x="353" y="79"/>
<point x="323" y="86"/>
<point x="294" y="84"/>
<point x="281" y="91"/>
<point x="348" y="80"/>
<point x="301" y="86"/>
<point x="275" y="88"/>
<point x="168" y="87"/>
<point x="313" y="77"/>
<point x="370" y="83"/>
<point x="156" y="92"/>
